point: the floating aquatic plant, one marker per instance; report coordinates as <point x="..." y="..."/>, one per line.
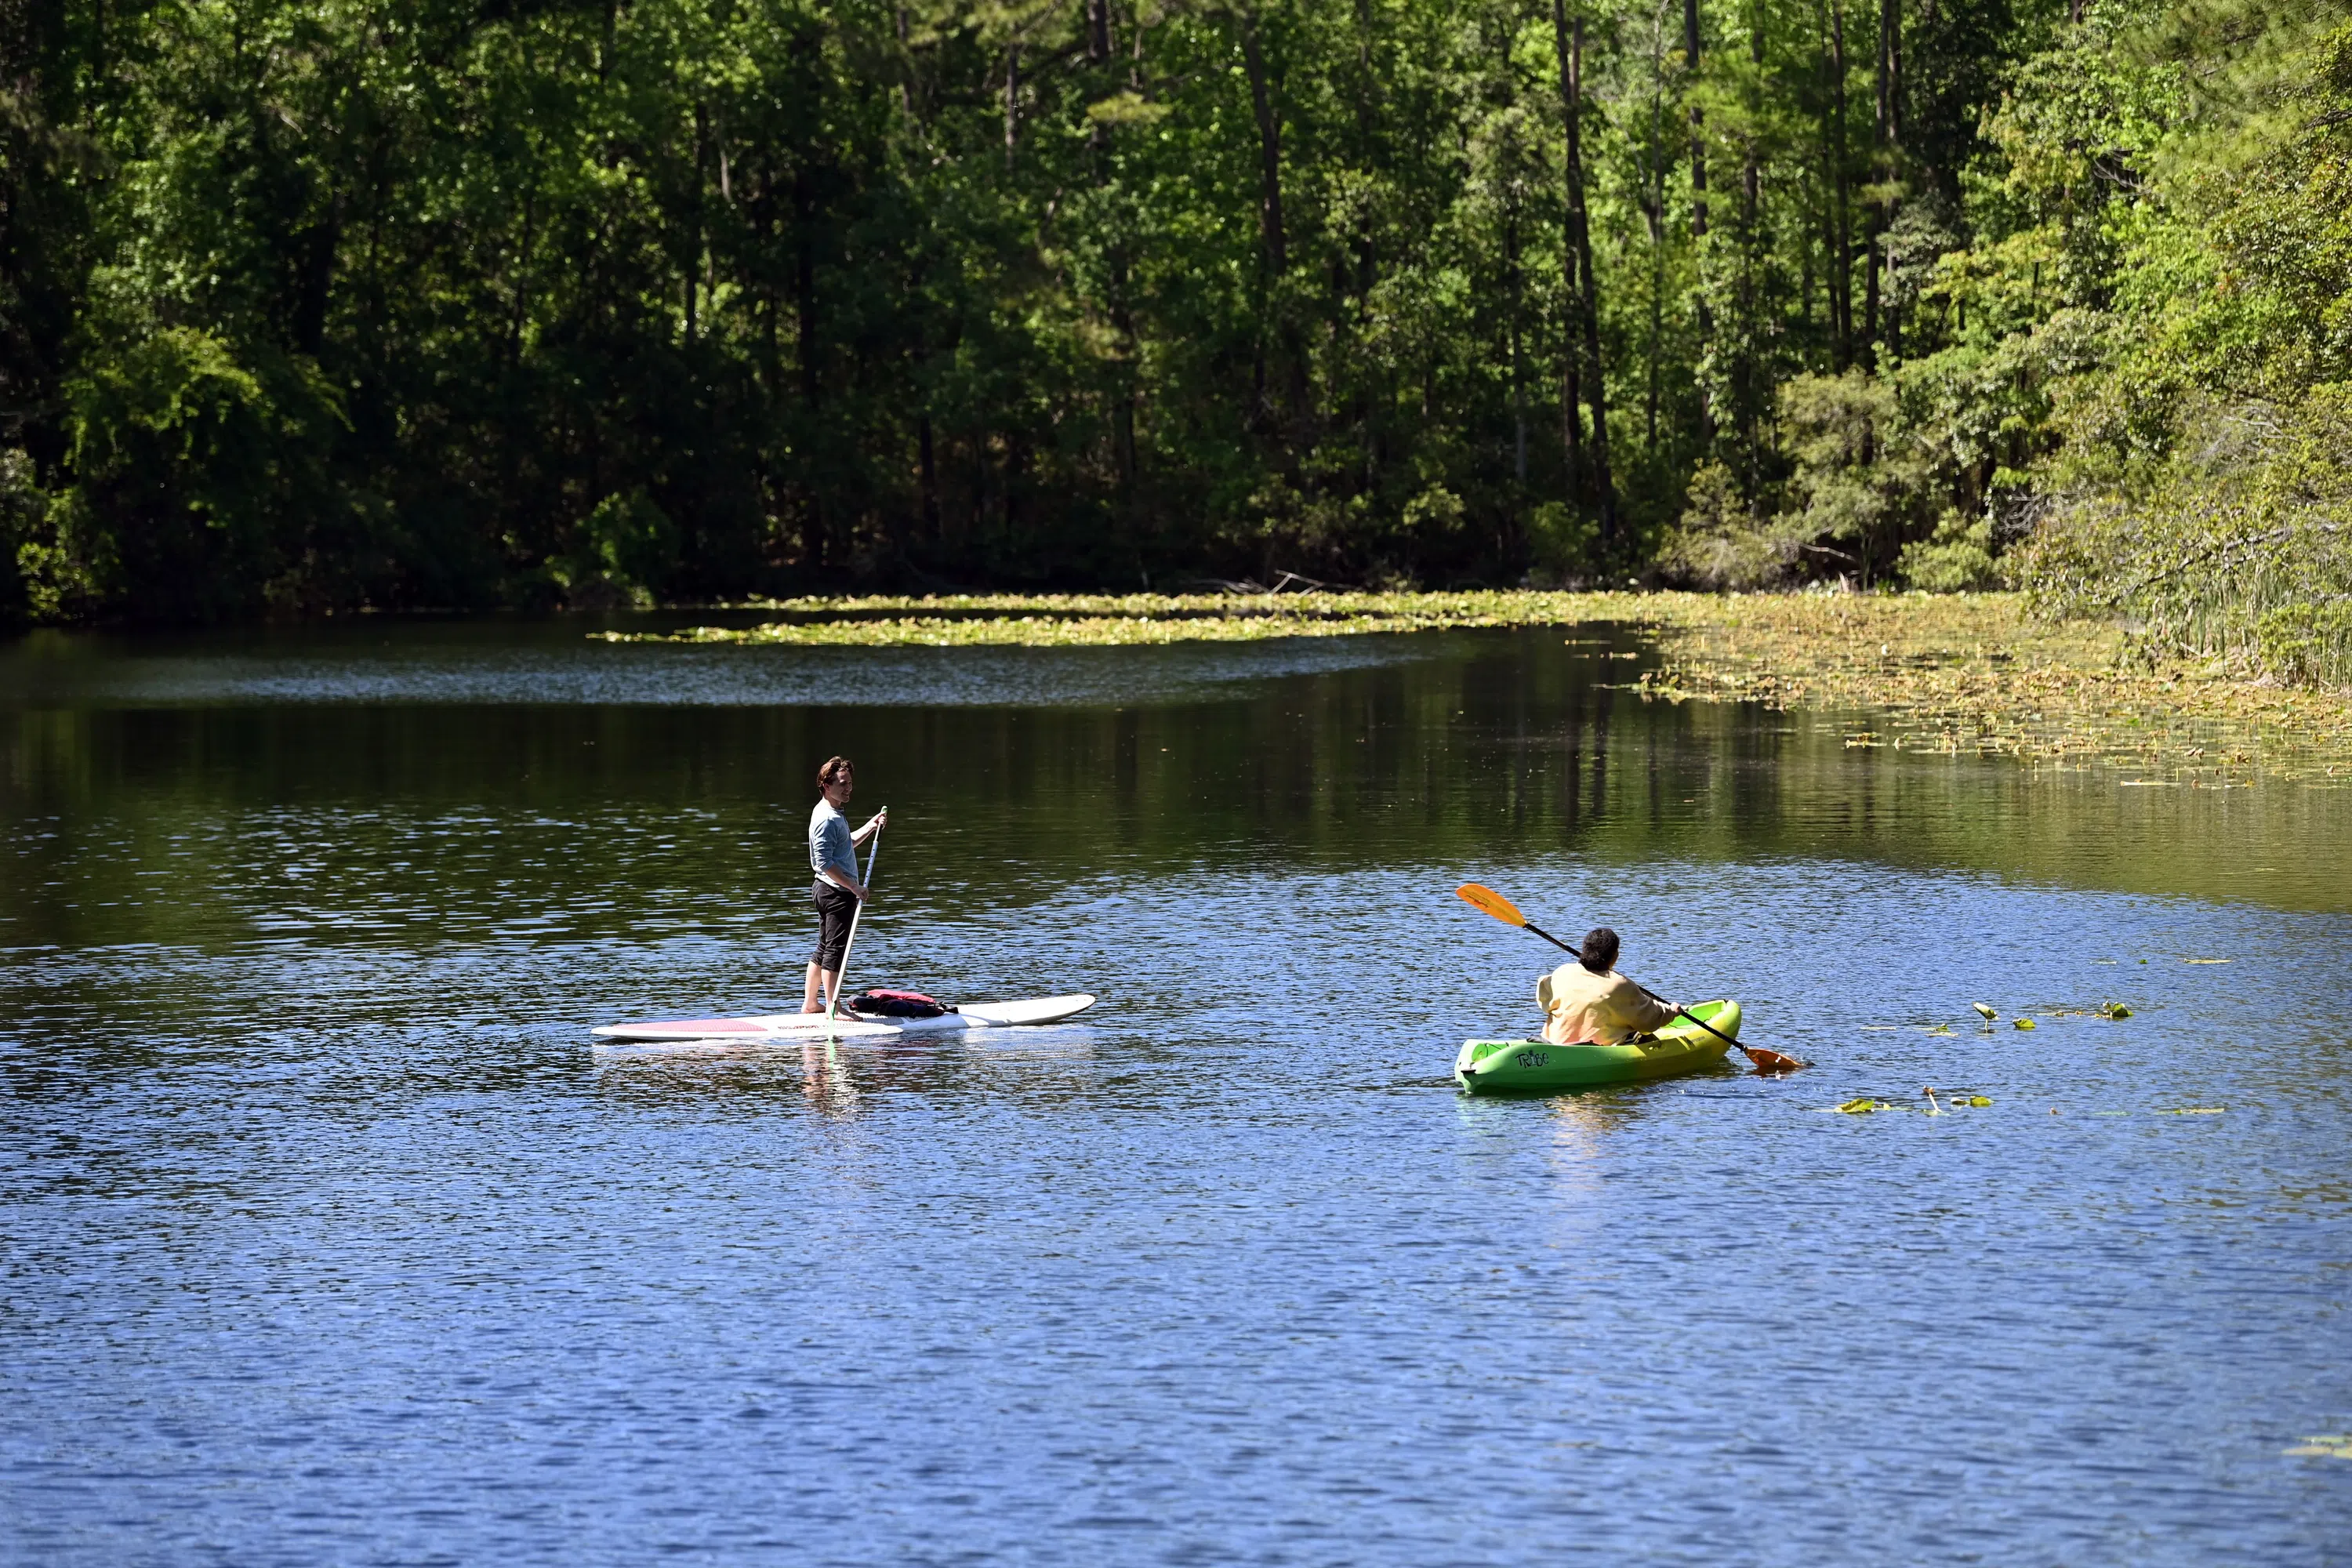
<point x="1863" y="1105"/>
<point x="1969" y="674"/>
<point x="1952" y="674"/>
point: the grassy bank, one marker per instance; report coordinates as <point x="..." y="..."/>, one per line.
<point x="1958" y="674"/>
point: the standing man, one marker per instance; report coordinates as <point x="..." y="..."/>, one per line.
<point x="838" y="892"/>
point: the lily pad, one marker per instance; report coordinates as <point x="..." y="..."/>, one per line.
<point x="2324" y="1446"/>
<point x="2022" y="1023"/>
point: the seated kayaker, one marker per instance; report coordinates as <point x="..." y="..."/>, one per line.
<point x="1590" y="1001"/>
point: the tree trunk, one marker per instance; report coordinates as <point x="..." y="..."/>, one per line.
<point x="1269" y="150"/>
<point x="1699" y="223"/>
<point x="1874" y="226"/>
<point x="1890" y="150"/>
<point x="694" y="227"/>
<point x="771" y="359"/>
<point x="1840" y="217"/>
<point x="805" y="286"/>
<point x="1890" y="74"/>
<point x="814" y="532"/>
<point x="1097" y="57"/>
<point x="928" y="475"/>
<point x="1122" y="320"/>
<point x="905" y="68"/>
<point x="1572" y="422"/>
<point x="1016" y="469"/>
<point x="1568" y="43"/>
<point x="1656" y="204"/>
<point x="1749" y="410"/>
<point x="1126" y="441"/>
<point x="1292" y="370"/>
<point x="1012" y="100"/>
<point x="1751" y="176"/>
<point x="1514" y="289"/>
<point x="1698" y="122"/>
<point x="976" y="536"/>
<point x="1367" y="83"/>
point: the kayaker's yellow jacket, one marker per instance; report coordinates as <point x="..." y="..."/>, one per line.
<point x="1579" y="1006"/>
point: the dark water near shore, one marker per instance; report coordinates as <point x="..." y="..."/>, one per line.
<point x="332" y="1237"/>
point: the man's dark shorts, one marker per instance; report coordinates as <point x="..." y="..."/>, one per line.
<point x="834" y="906"/>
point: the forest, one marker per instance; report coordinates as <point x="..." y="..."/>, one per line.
<point x="350" y="304"/>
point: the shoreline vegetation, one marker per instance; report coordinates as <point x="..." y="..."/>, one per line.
<point x="1966" y="674"/>
<point x="310" y="310"/>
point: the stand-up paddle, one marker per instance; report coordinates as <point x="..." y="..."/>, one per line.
<point x="1486" y="900"/>
<point x="841" y="975"/>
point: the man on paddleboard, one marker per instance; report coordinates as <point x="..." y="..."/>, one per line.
<point x="836" y="892"/>
<point x="1589" y="1000"/>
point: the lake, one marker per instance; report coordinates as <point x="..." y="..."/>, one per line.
<point x="334" y="1236"/>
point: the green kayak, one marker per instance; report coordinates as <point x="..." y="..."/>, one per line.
<point x="1524" y="1066"/>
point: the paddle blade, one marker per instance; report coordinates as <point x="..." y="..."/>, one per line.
<point x="1771" y="1061"/>
<point x="1486" y="900"/>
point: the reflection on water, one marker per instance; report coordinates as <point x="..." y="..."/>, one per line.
<point x="333" y="1236"/>
<point x="1481" y="746"/>
<point x="840" y="1077"/>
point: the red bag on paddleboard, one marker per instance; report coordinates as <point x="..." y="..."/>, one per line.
<point x="881" y="1004"/>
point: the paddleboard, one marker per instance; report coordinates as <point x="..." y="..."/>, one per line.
<point x="811" y="1026"/>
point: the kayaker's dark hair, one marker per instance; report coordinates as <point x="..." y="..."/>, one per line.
<point x="834" y="768"/>
<point x="1599" y="955"/>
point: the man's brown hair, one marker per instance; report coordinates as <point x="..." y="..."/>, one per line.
<point x="835" y="769"/>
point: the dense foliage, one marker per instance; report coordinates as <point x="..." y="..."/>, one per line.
<point x="532" y="302"/>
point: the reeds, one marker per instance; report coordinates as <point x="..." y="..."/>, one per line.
<point x="2237" y="553"/>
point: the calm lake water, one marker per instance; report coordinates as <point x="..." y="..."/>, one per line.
<point x="332" y="1236"/>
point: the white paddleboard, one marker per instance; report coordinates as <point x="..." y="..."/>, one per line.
<point x="811" y="1026"/>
